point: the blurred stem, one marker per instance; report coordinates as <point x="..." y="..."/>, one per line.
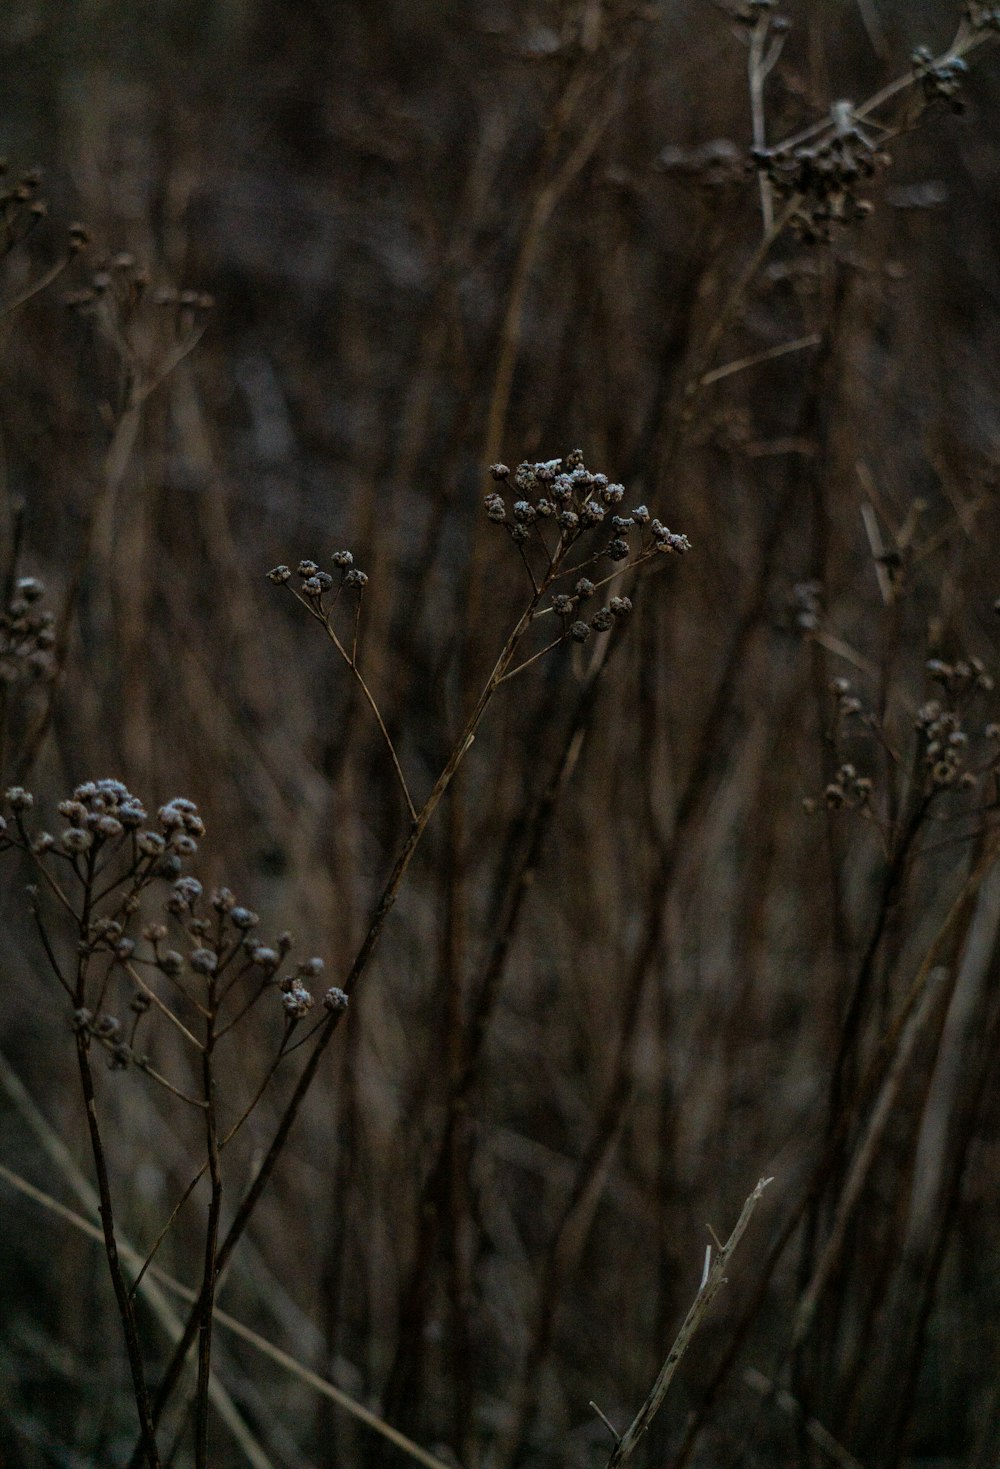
<point x="210" y="1273"/>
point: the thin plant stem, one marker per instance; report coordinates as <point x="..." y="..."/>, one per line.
<point x="323" y="618"/>
<point x="126" y="1306"/>
<point x="210" y="1271"/>
<point x="712" y="1281"/>
<point x="356" y="973"/>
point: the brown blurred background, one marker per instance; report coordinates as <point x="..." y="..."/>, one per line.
<point x="437" y="235"/>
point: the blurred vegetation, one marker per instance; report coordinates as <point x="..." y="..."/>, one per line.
<point x="659" y="941"/>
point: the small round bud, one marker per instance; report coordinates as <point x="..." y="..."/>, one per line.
<point x="335" y="1000"/>
<point x="76" y="840"/>
<point x="279" y="574"/>
<point x="579" y="632"/>
<point x="355" y="579"/>
<point x="188" y="890"/>
<point x="204" y="961"/>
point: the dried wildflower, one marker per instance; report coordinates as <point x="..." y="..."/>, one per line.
<point x="335" y="1000"/>
<point x="297" y="1001"/>
<point x="18" y="799"/>
<point x="579" y="632"/>
<point x="279" y="575"/>
<point x="620" y="606"/>
<point x="940" y="80"/>
<point x="204" y="961"/>
<point x="76" y="840"/>
<point x="357" y="580"/>
<point x="265" y="958"/>
<point x="584" y="588"/>
<point x="603" y="621"/>
<point x="187" y="891"/>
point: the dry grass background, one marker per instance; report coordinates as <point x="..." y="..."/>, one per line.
<point x="437" y="235"/>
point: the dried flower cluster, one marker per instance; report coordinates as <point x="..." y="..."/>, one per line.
<point x="315" y="585"/>
<point x="940" y="80"/>
<point x="99" y="870"/>
<point x="21" y="208"/>
<point x="952" y="752"/>
<point x="27" y="634"/>
<point x="120" y="284"/>
<point x="824" y="177"/>
<point x="566" y="496"/>
<point x="565" y="519"/>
